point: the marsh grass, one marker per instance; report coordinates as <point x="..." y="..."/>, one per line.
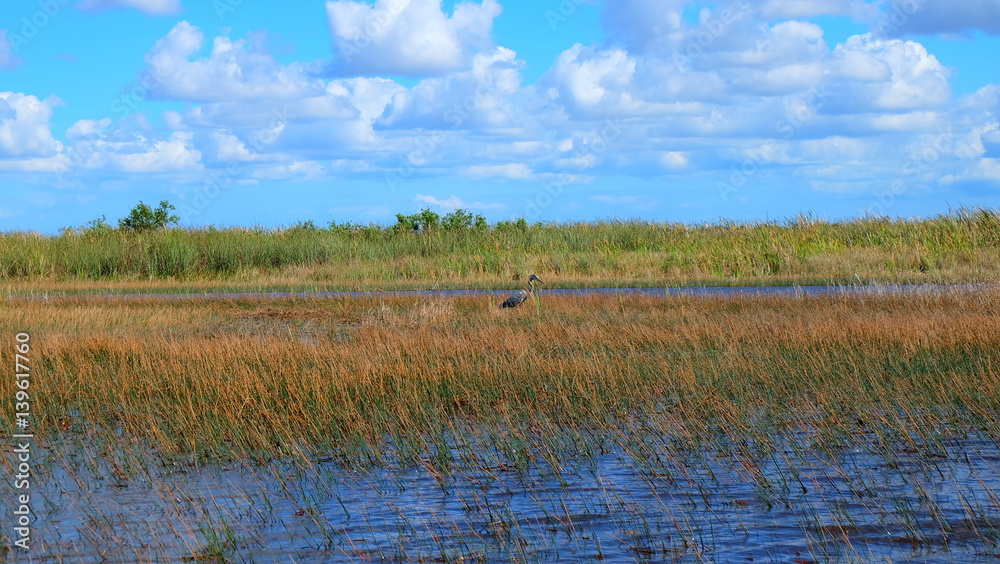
<point x="958" y="247"/>
<point x="257" y="377"/>
<point x="843" y="414"/>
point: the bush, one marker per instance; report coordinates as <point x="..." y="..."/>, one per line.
<point x="307" y="226"/>
<point x="424" y="220"/>
<point x="458" y="219"/>
<point x="94" y="227"/>
<point x="145" y="218"/>
<point x="520" y="225"/>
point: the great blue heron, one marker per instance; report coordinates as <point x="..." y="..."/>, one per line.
<point x="517" y="298"/>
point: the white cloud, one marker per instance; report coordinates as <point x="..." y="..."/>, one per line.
<point x="479" y="97"/>
<point x="407" y="37"/>
<point x="230" y="148"/>
<point x="87" y="128"/>
<point x="58" y="163"/>
<point x="234" y="70"/>
<point x="978" y="170"/>
<point x="96" y="147"/>
<point x="836" y="149"/>
<point x="272" y="109"/>
<point x="912" y="121"/>
<point x="175" y="153"/>
<point x="986" y="99"/>
<point x="451" y="203"/>
<point x="594" y="82"/>
<point x="301" y="170"/>
<point x="151" y="7"/>
<point x="675" y="160"/>
<point x="915" y="79"/>
<point x="838" y="118"/>
<point x="517" y="171"/>
<point x="784" y="43"/>
<point x="24" y="126"/>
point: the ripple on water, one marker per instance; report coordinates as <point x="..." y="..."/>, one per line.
<point x="790" y="504"/>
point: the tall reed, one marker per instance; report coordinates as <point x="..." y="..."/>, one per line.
<point x="958" y="247"/>
<point x="259" y="377"/>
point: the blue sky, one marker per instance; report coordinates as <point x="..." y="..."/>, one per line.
<point x="243" y="112"/>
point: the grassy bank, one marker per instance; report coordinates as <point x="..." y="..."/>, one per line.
<point x="960" y="247"/>
<point x="265" y="378"/>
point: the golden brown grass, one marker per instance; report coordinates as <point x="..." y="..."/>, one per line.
<point x="267" y="378"/>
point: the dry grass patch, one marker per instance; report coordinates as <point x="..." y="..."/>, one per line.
<point x="219" y="378"/>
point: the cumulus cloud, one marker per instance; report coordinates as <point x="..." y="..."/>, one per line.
<point x="175" y="153"/>
<point x="893" y="75"/>
<point x="234" y="70"/>
<point x="299" y="170"/>
<point x="87" y="129"/>
<point x="979" y="170"/>
<point x="94" y="146"/>
<point x="230" y="148"/>
<point x="593" y="81"/>
<point x="24" y="126"/>
<point x="758" y="86"/>
<point x="239" y="88"/>
<point x="931" y="17"/>
<point x="756" y="81"/>
<point x="407" y="37"/>
<point x="675" y="160"/>
<point x="151" y="7"/>
<point x="55" y="164"/>
<point x="474" y="98"/>
<point x="517" y="171"/>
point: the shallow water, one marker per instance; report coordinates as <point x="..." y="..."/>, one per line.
<point x="786" y="503"/>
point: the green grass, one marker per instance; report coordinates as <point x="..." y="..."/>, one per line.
<point x="959" y="247"/>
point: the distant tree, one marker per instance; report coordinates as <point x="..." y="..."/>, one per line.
<point x="423" y="221"/>
<point x="96" y="226"/>
<point x="306" y="225"/>
<point x="347" y="227"/>
<point x="520" y="225"/>
<point x="458" y="219"/>
<point x="145" y="218"/>
<point x="463" y="219"/>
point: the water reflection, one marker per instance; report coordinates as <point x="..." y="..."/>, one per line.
<point x="784" y="503"/>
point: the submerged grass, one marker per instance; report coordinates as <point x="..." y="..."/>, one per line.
<point x="959" y="247"/>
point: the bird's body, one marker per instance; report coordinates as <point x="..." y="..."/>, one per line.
<point x="517" y="298"/>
